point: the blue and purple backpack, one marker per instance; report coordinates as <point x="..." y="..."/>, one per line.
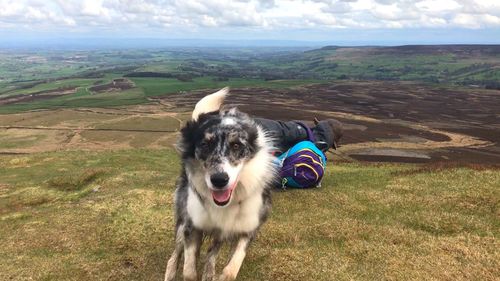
<point x="303" y="165"/>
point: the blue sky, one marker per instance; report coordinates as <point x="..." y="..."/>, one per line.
<point x="342" y="22"/>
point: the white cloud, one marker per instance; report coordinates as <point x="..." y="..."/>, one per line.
<point x="433" y="6"/>
<point x="389" y="12"/>
<point x="465" y="20"/>
<point x="168" y="15"/>
<point x="337" y="7"/>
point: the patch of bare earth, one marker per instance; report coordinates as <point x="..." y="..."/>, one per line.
<point x="118" y="84"/>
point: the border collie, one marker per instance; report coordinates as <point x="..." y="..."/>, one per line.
<point x="224" y="190"/>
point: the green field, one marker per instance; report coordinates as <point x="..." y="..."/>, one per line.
<point x="145" y="87"/>
<point x="108" y="216"/>
<point x="59" y="84"/>
<point x="82" y="98"/>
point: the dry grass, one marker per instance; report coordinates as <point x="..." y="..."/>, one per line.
<point x="28" y="141"/>
<point x="54" y="118"/>
<point x="442" y="166"/>
<point x="88" y="129"/>
<point x="142" y="123"/>
<point x="62" y="217"/>
<point x="74" y="181"/>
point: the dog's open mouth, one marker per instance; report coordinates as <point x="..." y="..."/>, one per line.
<point x="222" y="197"/>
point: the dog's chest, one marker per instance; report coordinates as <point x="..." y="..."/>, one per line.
<point x="236" y="218"/>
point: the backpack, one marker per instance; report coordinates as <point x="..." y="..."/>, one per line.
<point x="303" y="165"/>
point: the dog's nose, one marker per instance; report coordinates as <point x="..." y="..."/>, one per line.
<point x="219" y="180"/>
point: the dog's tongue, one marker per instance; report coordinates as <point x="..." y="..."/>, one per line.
<point x="221" y="196"/>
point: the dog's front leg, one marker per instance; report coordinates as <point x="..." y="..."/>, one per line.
<point x="192" y="243"/>
<point x="233" y="267"/>
<point x="174" y="258"/>
<point x="213" y="251"/>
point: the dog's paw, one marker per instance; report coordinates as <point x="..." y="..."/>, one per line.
<point x="208" y="272"/>
<point x="189" y="275"/>
<point x="208" y="276"/>
<point x="170" y="272"/>
<point x="169" y="277"/>
<point x="226" y="276"/>
<point x="223" y="278"/>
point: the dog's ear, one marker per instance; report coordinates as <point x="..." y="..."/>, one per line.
<point x="210" y="103"/>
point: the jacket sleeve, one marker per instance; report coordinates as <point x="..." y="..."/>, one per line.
<point x="284" y="134"/>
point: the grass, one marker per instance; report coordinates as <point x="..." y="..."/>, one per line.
<point x="108" y="216"/>
<point x="146" y="87"/>
<point x="66" y="83"/>
<point x="63" y="118"/>
<point x="141" y="123"/>
<point x="162" y="86"/>
<point x="80" y="99"/>
<point x="12" y="140"/>
<point x="126" y="139"/>
<point x="75" y="180"/>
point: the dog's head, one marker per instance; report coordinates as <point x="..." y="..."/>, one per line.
<point x="219" y="143"/>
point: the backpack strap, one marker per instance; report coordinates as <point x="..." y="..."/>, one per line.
<point x="310" y="135"/>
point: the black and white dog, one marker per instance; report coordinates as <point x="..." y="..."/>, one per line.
<point x="224" y="190"/>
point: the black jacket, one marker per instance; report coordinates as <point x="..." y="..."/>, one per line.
<point x="286" y="134"/>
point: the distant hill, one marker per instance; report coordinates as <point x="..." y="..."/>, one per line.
<point x="466" y="50"/>
<point x="477" y="65"/>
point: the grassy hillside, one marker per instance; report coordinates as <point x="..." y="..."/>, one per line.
<point x="162" y="86"/>
<point x="108" y="216"/>
<point x="144" y="88"/>
<point x="463" y="65"/>
<point x="449" y="64"/>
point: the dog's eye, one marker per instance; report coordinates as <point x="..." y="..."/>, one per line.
<point x="204" y="144"/>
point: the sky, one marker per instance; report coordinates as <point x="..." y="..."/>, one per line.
<point x="340" y="22"/>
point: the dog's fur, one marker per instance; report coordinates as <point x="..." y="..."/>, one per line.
<point x="219" y="141"/>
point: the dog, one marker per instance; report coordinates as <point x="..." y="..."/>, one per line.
<point x="224" y="191"/>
